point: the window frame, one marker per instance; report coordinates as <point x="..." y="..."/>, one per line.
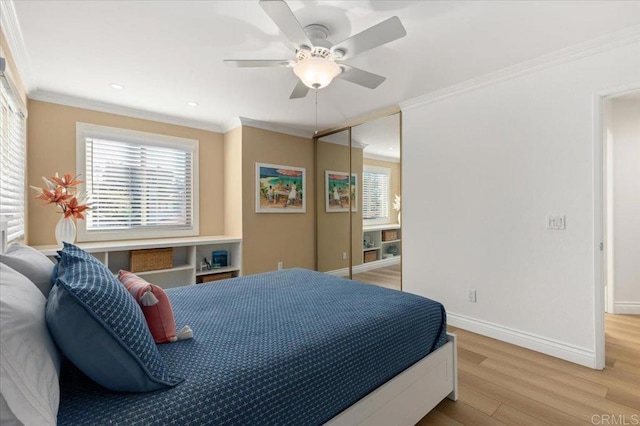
<point x="85" y="130"/>
<point x="381" y="170"/>
<point x="18" y="107"/>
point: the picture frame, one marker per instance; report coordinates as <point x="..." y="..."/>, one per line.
<point x="337" y="197"/>
<point x="280" y="189"/>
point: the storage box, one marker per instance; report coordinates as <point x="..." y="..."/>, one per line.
<point x="216" y="277"/>
<point x="389" y="234"/>
<point x="370" y="256"/>
<point x="151" y="259"/>
<point x="221" y="257"/>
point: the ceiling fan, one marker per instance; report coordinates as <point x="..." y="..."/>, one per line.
<point x="317" y="60"/>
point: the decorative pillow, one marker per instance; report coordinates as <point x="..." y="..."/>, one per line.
<point x="155" y="306"/>
<point x="30" y="263"/>
<point x="101" y="329"/>
<point x="29" y="360"/>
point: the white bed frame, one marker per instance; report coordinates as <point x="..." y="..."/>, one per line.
<point x="409" y="396"/>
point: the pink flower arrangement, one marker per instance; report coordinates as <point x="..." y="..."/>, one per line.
<point x="59" y="191"/>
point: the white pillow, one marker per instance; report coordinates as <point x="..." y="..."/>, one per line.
<point x="29" y="360"/>
<point x="30" y="263"/>
<point x="7" y="418"/>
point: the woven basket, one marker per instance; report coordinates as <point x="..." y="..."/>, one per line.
<point x="151" y="259"/>
<point x="389" y="235"/>
<point x="370" y="256"/>
<point x="216" y="277"/>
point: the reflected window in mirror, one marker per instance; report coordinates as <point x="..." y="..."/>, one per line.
<point x="375" y="194"/>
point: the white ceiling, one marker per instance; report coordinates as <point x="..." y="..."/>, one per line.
<point x="167" y="53"/>
<point x="379" y="138"/>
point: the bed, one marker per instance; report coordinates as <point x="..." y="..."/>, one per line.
<point x="287" y="347"/>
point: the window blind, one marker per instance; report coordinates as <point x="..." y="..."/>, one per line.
<point x="136" y="186"/>
<point x="12" y="161"/>
<point x="375" y="194"/>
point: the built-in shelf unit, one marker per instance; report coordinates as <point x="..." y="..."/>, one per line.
<point x="188" y="254"/>
<point x="378" y="242"/>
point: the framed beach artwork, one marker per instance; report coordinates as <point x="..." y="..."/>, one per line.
<point x="337" y="194"/>
<point x="280" y="189"/>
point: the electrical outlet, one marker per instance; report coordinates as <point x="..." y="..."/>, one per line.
<point x="280" y="265"/>
<point x="471" y="295"/>
<point x="344" y="255"/>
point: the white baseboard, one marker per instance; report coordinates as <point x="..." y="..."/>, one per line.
<point x="343" y="272"/>
<point x="369" y="266"/>
<point x="627" y="308"/>
<point x="541" y="344"/>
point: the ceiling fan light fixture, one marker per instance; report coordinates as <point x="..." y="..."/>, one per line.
<point x="316" y="73"/>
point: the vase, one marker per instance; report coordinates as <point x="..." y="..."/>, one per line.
<point x="399" y="219"/>
<point x="65" y="230"/>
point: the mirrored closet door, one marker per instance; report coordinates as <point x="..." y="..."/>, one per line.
<point x="379" y="232"/>
<point x="358" y="229"/>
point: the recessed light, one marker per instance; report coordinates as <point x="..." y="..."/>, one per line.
<point x="391" y="148"/>
<point x="116" y="86"/>
<point x="193" y="104"/>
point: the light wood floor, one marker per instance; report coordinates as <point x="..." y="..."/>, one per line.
<point x="504" y="384"/>
<point x="388" y="277"/>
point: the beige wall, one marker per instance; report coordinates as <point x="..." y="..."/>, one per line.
<point x="356" y="217"/>
<point x="233" y="183"/>
<point x="394" y="184"/>
<point x="333" y="228"/>
<point x="270" y="238"/>
<point x="51" y="147"/>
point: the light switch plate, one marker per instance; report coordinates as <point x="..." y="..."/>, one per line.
<point x="556" y="222"/>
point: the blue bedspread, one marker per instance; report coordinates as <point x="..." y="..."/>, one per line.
<point x="294" y="347"/>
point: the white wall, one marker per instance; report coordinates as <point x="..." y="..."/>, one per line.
<point x="626" y="205"/>
<point x="482" y="169"/>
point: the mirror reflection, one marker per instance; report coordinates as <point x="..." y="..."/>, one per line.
<point x="334" y="196"/>
<point x="376" y="160"/>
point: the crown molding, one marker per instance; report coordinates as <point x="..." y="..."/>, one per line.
<point x="592" y="47"/>
<point x="278" y="128"/>
<point x="379" y="157"/>
<point x="92" y="105"/>
<point x="11" y="28"/>
<point x="231" y="124"/>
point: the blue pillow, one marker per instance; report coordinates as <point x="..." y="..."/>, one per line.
<point x="100" y="327"/>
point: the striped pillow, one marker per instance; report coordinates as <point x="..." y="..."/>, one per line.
<point x="155" y="306"/>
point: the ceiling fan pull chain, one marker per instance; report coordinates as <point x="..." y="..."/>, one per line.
<point x="316" y="132"/>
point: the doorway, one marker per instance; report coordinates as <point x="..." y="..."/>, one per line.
<point x="618" y="211"/>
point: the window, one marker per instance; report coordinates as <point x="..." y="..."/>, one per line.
<point x="12" y="160"/>
<point x="140" y="185"/>
<point x="375" y="194"/>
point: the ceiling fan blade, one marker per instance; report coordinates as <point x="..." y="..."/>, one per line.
<point x="361" y="77"/>
<point x="382" y="33"/>
<point x="300" y="91"/>
<point x="244" y="63"/>
<point x="283" y="17"/>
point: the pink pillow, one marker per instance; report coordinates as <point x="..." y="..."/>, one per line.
<point x="155" y="306"/>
